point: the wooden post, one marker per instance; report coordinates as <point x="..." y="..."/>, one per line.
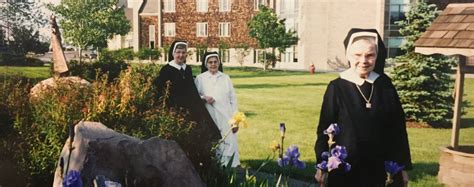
<point x="458" y="102"/>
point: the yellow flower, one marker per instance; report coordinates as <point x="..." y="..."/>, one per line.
<point x="275" y="146"/>
<point x="239" y="119"/>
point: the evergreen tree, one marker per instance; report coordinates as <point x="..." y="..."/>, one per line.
<point x="423" y="82"/>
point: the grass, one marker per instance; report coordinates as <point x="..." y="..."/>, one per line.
<point x="30" y="72"/>
<point x="269" y="98"/>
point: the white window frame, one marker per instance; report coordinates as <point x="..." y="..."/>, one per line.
<point x="202" y="5"/>
<point x="170" y="29"/>
<point x="202" y="29"/>
<point x="151" y="36"/>
<point x="225" y="5"/>
<point x="256" y="3"/>
<point x="224" y="29"/>
<point x="169" y="6"/>
<point x="224" y="55"/>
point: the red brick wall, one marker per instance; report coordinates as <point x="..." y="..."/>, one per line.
<point x="186" y="18"/>
<point x="146" y="21"/>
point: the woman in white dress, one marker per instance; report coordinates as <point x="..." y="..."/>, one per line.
<point x="218" y="93"/>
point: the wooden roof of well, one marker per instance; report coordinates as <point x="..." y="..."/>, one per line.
<point x="452" y="32"/>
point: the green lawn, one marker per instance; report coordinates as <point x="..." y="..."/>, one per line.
<point x="31" y="72"/>
<point x="294" y="98"/>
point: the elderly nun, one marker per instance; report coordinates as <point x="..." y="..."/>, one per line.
<point x="183" y="97"/>
<point x="217" y="91"/>
<point x="371" y="122"/>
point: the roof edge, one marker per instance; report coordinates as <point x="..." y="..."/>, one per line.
<point x="445" y="51"/>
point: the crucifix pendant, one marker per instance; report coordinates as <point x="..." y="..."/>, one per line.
<point x="368" y="105"/>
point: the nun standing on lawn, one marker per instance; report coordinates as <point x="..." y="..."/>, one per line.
<point x="217" y="91"/>
<point x="183" y="97"/>
<point x="366" y="107"/>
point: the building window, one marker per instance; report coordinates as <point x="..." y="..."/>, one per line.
<point x="169" y="6"/>
<point x="201" y="29"/>
<point x="129" y="40"/>
<point x="151" y="36"/>
<point x="393" y="46"/>
<point x="257" y="3"/>
<point x="224" y="5"/>
<point x="170" y="29"/>
<point x="224" y="55"/>
<point x="224" y="29"/>
<point x="394" y="11"/>
<point x="201" y="5"/>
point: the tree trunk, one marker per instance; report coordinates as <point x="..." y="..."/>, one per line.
<point x="265" y="61"/>
<point x="273" y="58"/>
<point x="80" y="55"/>
<point x="98" y="53"/>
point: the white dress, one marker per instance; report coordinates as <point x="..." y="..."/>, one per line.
<point x="219" y="87"/>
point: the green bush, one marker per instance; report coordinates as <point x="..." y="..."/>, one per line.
<point x="11" y="59"/>
<point x="125" y="54"/>
<point x="36" y="128"/>
<point x="108" y="64"/>
<point x="147" y="53"/>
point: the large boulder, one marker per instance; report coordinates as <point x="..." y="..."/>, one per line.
<point x="98" y="150"/>
<point x="53" y="82"/>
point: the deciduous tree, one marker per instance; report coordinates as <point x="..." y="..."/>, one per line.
<point x="270" y="32"/>
<point x="90" y="23"/>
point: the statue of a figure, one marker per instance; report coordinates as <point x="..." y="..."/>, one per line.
<point x="59" y="60"/>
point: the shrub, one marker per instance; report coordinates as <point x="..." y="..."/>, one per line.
<point x="12" y="59"/>
<point x="125" y="54"/>
<point x="38" y="126"/>
<point x="108" y="64"/>
<point x="147" y="53"/>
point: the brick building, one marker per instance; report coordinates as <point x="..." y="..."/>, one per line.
<point x="212" y="24"/>
<point x="222" y="25"/>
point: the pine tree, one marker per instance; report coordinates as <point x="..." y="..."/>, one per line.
<point x="423" y="82"/>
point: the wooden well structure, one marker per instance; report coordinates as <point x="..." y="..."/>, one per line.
<point x="452" y="33"/>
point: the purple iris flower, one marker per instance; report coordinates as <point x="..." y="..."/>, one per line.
<point x="285" y="161"/>
<point x="339" y="152"/>
<point x="293" y="152"/>
<point x="332" y="129"/>
<point x="282" y="129"/>
<point x="333" y="163"/>
<point x="325" y="155"/>
<point x="291" y="157"/>
<point x="347" y="166"/>
<point x="73" y="179"/>
<point x="393" y="167"/>
<point x="298" y="164"/>
<point x="323" y="165"/>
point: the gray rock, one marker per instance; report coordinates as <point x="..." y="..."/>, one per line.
<point x="98" y="150"/>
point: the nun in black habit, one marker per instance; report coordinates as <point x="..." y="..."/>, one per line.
<point x="366" y="107"/>
<point x="183" y="94"/>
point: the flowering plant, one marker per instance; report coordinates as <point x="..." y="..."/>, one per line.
<point x="291" y="158"/>
<point x="73" y="179"/>
<point x="335" y="158"/>
<point x="391" y="168"/>
<point x="238" y="120"/>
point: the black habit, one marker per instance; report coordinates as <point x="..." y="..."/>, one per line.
<point x="184" y="95"/>
<point x="370" y="135"/>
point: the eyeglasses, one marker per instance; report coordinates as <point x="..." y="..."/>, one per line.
<point x="213" y="62"/>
